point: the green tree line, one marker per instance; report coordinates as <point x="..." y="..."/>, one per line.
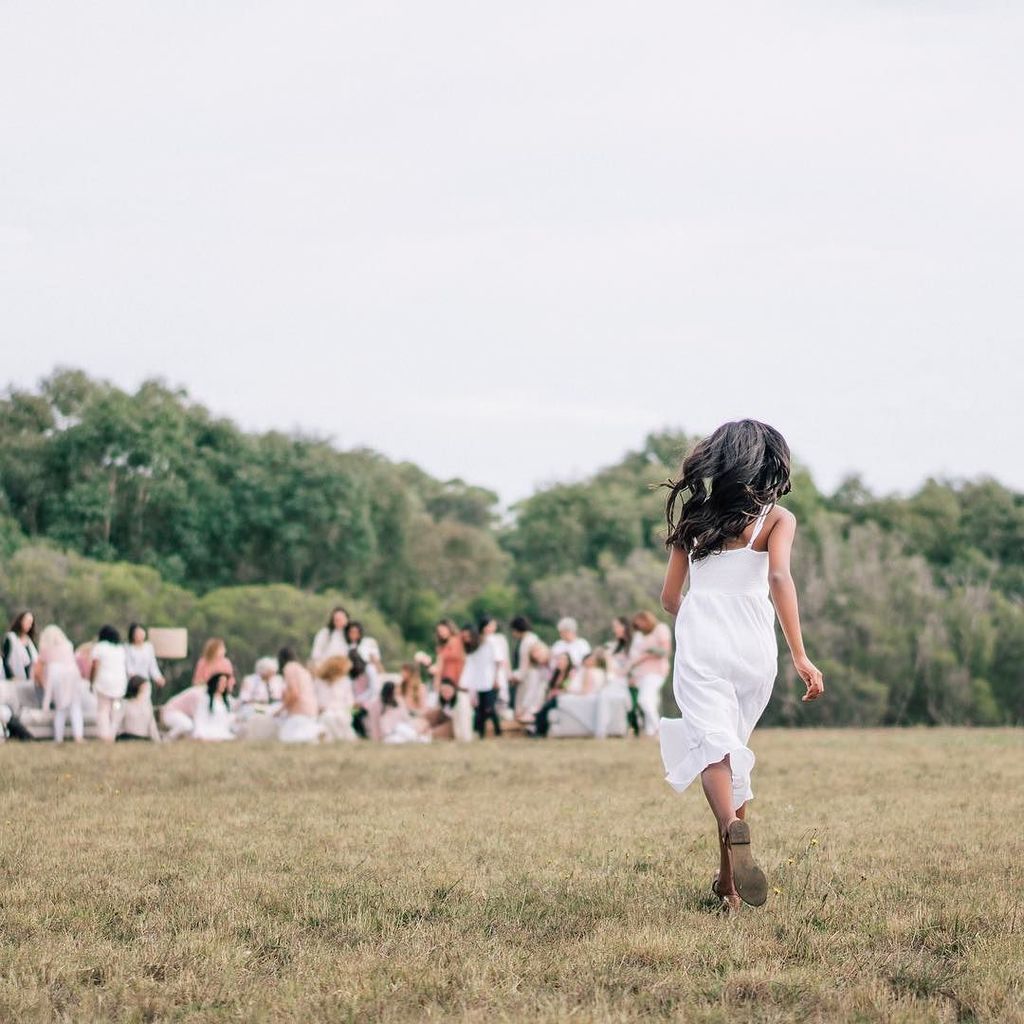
<point x="118" y="505"/>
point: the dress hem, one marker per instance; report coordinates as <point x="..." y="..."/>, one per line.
<point x="682" y="767"/>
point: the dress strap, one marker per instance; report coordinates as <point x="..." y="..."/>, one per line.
<point x="758" y="525"/>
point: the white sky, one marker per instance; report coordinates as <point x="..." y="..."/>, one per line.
<point x="506" y="241"/>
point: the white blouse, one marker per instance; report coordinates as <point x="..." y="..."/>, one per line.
<point x="328" y="643"/>
<point x="140" y="660"/>
<point x="111" y="679"/>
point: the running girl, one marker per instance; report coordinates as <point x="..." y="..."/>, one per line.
<point x="732" y="542"/>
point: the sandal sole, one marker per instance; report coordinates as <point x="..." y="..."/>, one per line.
<point x="751" y="883"/>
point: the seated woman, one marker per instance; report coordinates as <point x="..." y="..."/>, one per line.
<point x="413" y="690"/>
<point x="396" y="725"/>
<point x="441" y="720"/>
<point x="178" y="715"/>
<point x="213" y="720"/>
<point x="264" y="686"/>
<point x="562" y="677"/>
<point x="533" y="684"/>
<point x="334" y="697"/>
<point x="588" y="704"/>
<point x="135" y="718"/>
<point x="299" y="702"/>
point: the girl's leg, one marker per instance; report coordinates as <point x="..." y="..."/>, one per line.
<point x="717" y="782"/>
<point x="58" y="725"/>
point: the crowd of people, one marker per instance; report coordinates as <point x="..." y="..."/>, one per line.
<point x="475" y="681"/>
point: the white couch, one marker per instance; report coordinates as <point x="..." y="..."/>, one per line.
<point x="576" y="716"/>
<point x="23" y="699"/>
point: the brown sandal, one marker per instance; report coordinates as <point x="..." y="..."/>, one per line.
<point x="749" y="879"/>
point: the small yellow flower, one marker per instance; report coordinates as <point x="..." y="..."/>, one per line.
<point x="814" y="842"/>
<point x="790" y="861"/>
<point x="777" y="890"/>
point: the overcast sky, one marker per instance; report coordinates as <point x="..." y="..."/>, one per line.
<point x="508" y="240"/>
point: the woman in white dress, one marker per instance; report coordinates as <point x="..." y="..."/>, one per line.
<point x="733" y="544"/>
<point x="62" y="684"/>
<point x="214" y="721"/>
<point x="109" y="677"/>
<point x="334" y="697"/>
<point x="330" y="641"/>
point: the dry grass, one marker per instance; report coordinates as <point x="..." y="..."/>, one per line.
<point x="508" y="882"/>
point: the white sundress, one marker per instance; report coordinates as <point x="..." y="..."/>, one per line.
<point x="725" y="666"/>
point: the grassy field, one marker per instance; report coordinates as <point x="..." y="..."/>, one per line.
<point x="509" y="881"/>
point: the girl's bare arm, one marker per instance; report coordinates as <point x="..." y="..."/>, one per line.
<point x="783" y="590"/>
<point x="675" y="579"/>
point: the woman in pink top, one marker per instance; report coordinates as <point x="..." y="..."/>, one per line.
<point x="179" y="713"/>
<point x="649" y="666"/>
<point x="214" y="660"/>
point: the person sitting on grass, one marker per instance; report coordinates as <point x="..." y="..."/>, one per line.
<point x="413" y="691"/>
<point x="136" y="720"/>
<point x="396" y="724"/>
<point x="334" y="697"/>
<point x="263" y="686"/>
<point x="299" y="703"/>
<point x="561" y="681"/>
<point x="214" y="721"/>
<point x="178" y="715"/>
<point x="440" y="719"/>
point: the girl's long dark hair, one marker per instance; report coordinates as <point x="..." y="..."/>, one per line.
<point x="16" y="622"/>
<point x="212" y="685"/>
<point x="724" y="484"/>
<point x="622" y="643"/>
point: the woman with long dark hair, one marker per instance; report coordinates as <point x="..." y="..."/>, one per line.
<point x="731" y="540"/>
<point x="140" y="656"/>
<point x="213" y="719"/>
<point x="330" y="641"/>
<point x="19" y="649"/>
